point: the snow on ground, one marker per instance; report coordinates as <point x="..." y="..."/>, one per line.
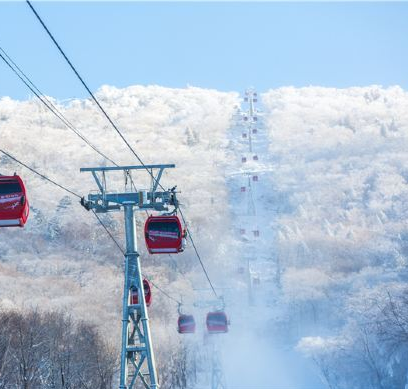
<point x="330" y="204"/>
<point x="339" y="168"/>
<point x="62" y="259"/>
<point x="251" y="357"/>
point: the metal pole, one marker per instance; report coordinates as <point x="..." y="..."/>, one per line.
<point x="251" y="105"/>
<point x="125" y="326"/>
<point x="130" y="251"/>
<point x="133" y="275"/>
<point x="144" y="315"/>
<point x="250" y="292"/>
<point x="250" y="122"/>
<point x="136" y="345"/>
<point x="250" y="137"/>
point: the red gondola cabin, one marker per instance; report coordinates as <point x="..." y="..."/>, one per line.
<point x="134" y="297"/>
<point x="164" y="235"/>
<point x="14" y="207"/>
<point x="217" y="322"/>
<point x="186" y="324"/>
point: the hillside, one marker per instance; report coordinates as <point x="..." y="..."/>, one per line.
<point x="330" y="206"/>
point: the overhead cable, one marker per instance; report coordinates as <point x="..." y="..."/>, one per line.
<point x="197" y="254"/>
<point x="47" y="102"/>
<point x="114" y="126"/>
<point x="96" y="215"/>
<point x="90" y="92"/>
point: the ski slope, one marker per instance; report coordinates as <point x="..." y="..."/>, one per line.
<point x="251" y="357"/>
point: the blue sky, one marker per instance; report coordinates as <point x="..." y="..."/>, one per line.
<point x="226" y="46"/>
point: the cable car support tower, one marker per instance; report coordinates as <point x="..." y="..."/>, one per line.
<point x="251" y="98"/>
<point x="137" y="357"/>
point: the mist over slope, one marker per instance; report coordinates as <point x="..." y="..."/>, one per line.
<point x="340" y="171"/>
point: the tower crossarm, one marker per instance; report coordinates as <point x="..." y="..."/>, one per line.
<point x="105" y="201"/>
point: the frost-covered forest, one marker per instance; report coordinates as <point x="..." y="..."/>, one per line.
<point x="335" y="196"/>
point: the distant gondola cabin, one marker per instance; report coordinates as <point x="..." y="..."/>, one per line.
<point x="186" y="324"/>
<point x="134" y="296"/>
<point x="217" y="322"/>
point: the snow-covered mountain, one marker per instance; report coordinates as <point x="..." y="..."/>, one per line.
<point x="334" y="192"/>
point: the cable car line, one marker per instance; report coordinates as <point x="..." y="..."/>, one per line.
<point x="51" y="106"/>
<point x="39" y="174"/>
<point x="91" y="94"/>
<point x="108" y="232"/>
<point x="61" y="187"/>
<point x="162" y="291"/>
<point x="198" y="255"/>
<point x="117" y="130"/>
<point x="97" y="217"/>
<point x="48" y="103"/>
<point x="123" y="252"/>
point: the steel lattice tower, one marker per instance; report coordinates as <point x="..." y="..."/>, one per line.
<point x="137" y="357"/>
